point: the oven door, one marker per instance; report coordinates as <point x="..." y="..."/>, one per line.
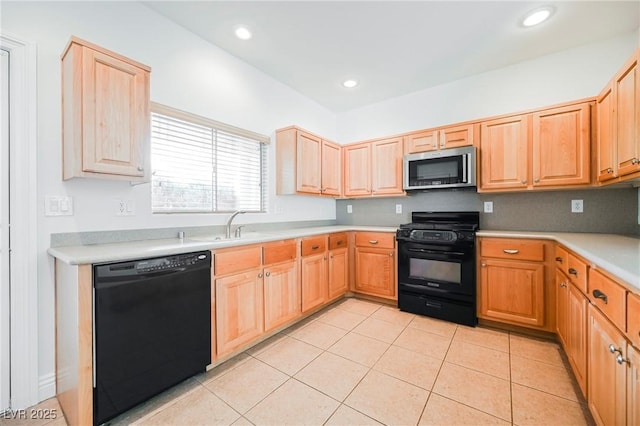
<point x="445" y="270"/>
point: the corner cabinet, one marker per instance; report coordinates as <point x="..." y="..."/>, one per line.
<point x="105" y="114"/>
<point x="307" y="164"/>
<point x="373" y="168"/>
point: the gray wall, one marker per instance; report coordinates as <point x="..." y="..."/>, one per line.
<point x="609" y="210"/>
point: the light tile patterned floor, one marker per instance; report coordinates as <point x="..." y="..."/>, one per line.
<point x="361" y="363"/>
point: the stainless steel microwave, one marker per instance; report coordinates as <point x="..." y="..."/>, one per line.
<point x="448" y="168"/>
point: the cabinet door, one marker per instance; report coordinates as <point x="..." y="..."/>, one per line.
<point x="386" y="166"/>
<point x="239" y="310"/>
<point x="314" y="281"/>
<point x="607" y="379"/>
<point x="456" y="136"/>
<point x="421" y="142"/>
<point x="281" y="294"/>
<point x="627" y="116"/>
<point x="513" y="291"/>
<point x="562" y="305"/>
<point x="633" y="387"/>
<point x="338" y="272"/>
<point x="606" y="149"/>
<point x="309" y="157"/>
<point x="331" y="167"/>
<point x="561" y="141"/>
<point x="115" y="115"/>
<point x="375" y="272"/>
<point x="357" y="170"/>
<point x="577" y="335"/>
<point x="503" y="153"/>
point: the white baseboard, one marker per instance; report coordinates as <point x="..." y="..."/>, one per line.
<point x="46" y="386"/>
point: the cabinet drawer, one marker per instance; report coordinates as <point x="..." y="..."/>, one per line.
<point x="633" y="318"/>
<point x="314" y="245"/>
<point x="375" y="239"/>
<point x="577" y="272"/>
<point x="513" y="249"/>
<point x="609" y="297"/>
<point x="279" y="251"/>
<point x="236" y="259"/>
<point x="562" y="259"/>
<point x="337" y="241"/>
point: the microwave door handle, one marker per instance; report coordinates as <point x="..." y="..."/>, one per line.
<point x="465" y="168"/>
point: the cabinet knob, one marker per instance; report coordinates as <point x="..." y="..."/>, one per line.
<point x="613" y="349"/>
<point x="524" y="182"/>
<point x="391" y="254"/>
<point x="140" y="168"/>
<point x="609" y="170"/>
<point x="260" y="275"/>
<point x="484" y="265"/>
<point x="536" y="180"/>
<point x="563" y="284"/>
<point x="621" y="360"/>
<point x="600" y="295"/>
<point x="267" y="274"/>
<point x="635" y="161"/>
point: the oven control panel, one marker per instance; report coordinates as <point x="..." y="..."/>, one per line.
<point x="435" y="236"/>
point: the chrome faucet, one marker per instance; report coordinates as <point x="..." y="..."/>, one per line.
<point x="236" y="213"/>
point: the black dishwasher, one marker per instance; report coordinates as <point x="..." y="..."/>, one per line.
<point x="152" y="328"/>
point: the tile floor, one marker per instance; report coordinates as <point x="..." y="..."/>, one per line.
<point x="360" y="363"/>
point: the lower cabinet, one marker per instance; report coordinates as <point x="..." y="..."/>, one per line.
<point x="576" y="345"/>
<point x="375" y="265"/>
<point x="338" y="272"/>
<point x="239" y="309"/>
<point x="512" y="291"/>
<point x="608" y="367"/>
<point x="313" y="272"/>
<point x="281" y="294"/>
<point x="633" y="387"/>
<point x="562" y="307"/>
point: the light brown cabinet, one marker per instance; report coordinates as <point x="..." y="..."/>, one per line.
<point x="626" y="88"/>
<point x="239" y="310"/>
<point x="373" y="168"/>
<point x="606" y="168"/>
<point x="375" y="264"/>
<point x="441" y="138"/>
<point x="562" y="308"/>
<point x="313" y="277"/>
<point x="281" y="285"/>
<point x="607" y="395"/>
<point x="307" y="164"/>
<point x="576" y="345"/>
<point x="516" y="282"/>
<point x="106" y="114"/>
<point x="633" y="387"/>
<point x="546" y="148"/>
<point x="338" y="265"/>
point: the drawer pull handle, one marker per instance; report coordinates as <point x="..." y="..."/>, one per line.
<point x="635" y="161"/>
<point x="340" y="242"/>
<point x="511" y="251"/>
<point x="573" y="272"/>
<point x="315" y="247"/>
<point x="600" y="295"/>
<point x="559" y="259"/>
<point x="373" y="241"/>
<point x="609" y="170"/>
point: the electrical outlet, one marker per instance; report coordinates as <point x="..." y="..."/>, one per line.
<point x="121" y="208"/>
<point x="349" y="208"/>
<point x="398" y="208"/>
<point x="577" y="206"/>
<point x="488" y="206"/>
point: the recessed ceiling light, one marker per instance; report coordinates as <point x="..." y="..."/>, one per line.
<point x="243" y="33"/>
<point x="537" y="16"/>
<point x="349" y="83"/>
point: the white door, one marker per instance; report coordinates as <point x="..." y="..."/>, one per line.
<point x="4" y="232"/>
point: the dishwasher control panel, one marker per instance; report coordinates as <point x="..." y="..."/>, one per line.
<point x="172" y="262"/>
<point x="176" y="262"/>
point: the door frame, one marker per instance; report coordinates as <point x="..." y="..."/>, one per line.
<point x="23" y="212"/>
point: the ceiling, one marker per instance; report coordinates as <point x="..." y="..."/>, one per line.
<point x="392" y="47"/>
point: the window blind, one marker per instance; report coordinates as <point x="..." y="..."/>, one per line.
<point x="200" y="165"/>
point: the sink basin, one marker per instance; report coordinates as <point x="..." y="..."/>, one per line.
<point x="222" y="238"/>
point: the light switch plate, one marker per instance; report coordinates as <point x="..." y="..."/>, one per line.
<point x="577" y="206"/>
<point x="58" y="206"/>
<point x="488" y="206"/>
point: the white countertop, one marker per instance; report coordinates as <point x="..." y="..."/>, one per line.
<point x="116" y="252"/>
<point x="617" y="254"/>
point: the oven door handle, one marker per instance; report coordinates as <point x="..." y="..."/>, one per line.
<point x="438" y="254"/>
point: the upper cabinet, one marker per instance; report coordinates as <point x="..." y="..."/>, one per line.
<point x="106" y="115"/>
<point x="373" y="168"/>
<point x="618" y="156"/>
<point x="547" y="148"/>
<point x="307" y="164"/>
<point x="442" y="138"/>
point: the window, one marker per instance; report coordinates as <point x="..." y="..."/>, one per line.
<point x="200" y="165"/>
